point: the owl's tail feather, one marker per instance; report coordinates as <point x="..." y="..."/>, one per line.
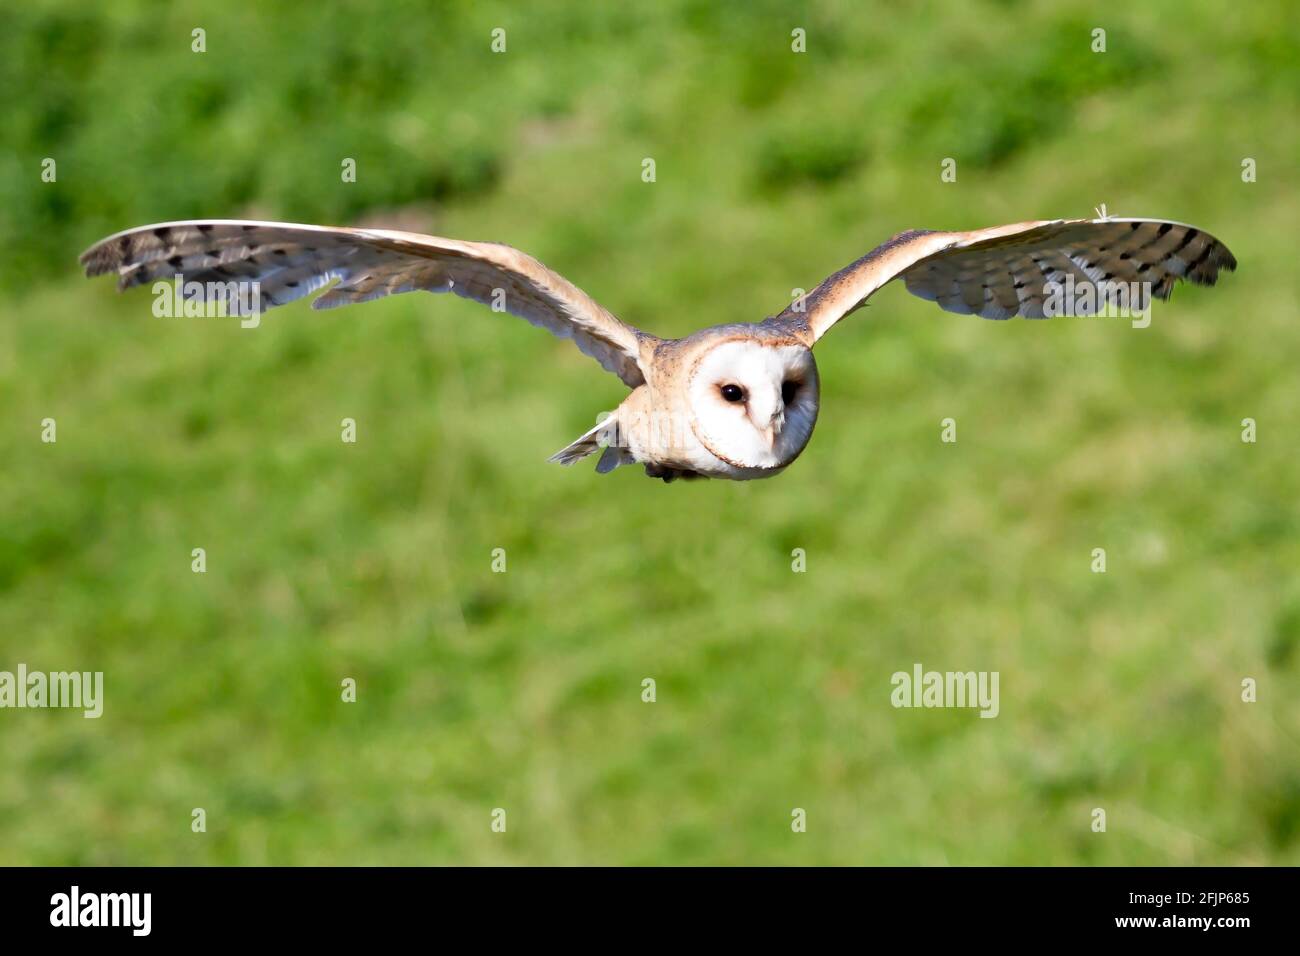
<point x="605" y="435"/>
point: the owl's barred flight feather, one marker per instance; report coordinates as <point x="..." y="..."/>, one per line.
<point x="291" y="260"/>
<point x="734" y="401"/>
<point x="1009" y="270"/>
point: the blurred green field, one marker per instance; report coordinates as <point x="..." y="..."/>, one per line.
<point x="522" y="690"/>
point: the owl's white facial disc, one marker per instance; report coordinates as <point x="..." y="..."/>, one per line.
<point x="754" y="404"/>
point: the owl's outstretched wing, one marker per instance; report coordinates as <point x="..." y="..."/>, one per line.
<point x="1018" y="270"/>
<point x="289" y="260"/>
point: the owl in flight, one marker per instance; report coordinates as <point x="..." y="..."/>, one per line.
<point x="732" y="401"/>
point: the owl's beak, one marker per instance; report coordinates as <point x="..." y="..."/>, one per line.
<point x="773" y="428"/>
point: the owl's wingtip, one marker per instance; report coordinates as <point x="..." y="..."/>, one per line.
<point x="95" y="262"/>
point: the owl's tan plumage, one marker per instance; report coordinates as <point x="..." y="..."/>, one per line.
<point x="1002" y="271"/>
<point x="291" y="260"/>
<point x="682" y="418"/>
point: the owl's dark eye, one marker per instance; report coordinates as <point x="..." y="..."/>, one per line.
<point x="733" y="393"/>
<point x="788" y="391"/>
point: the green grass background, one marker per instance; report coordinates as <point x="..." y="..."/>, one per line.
<point x="522" y="690"/>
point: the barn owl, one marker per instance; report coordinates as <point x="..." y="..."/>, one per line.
<point x="732" y="401"/>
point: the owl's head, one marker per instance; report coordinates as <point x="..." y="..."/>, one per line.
<point x="754" y="402"/>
